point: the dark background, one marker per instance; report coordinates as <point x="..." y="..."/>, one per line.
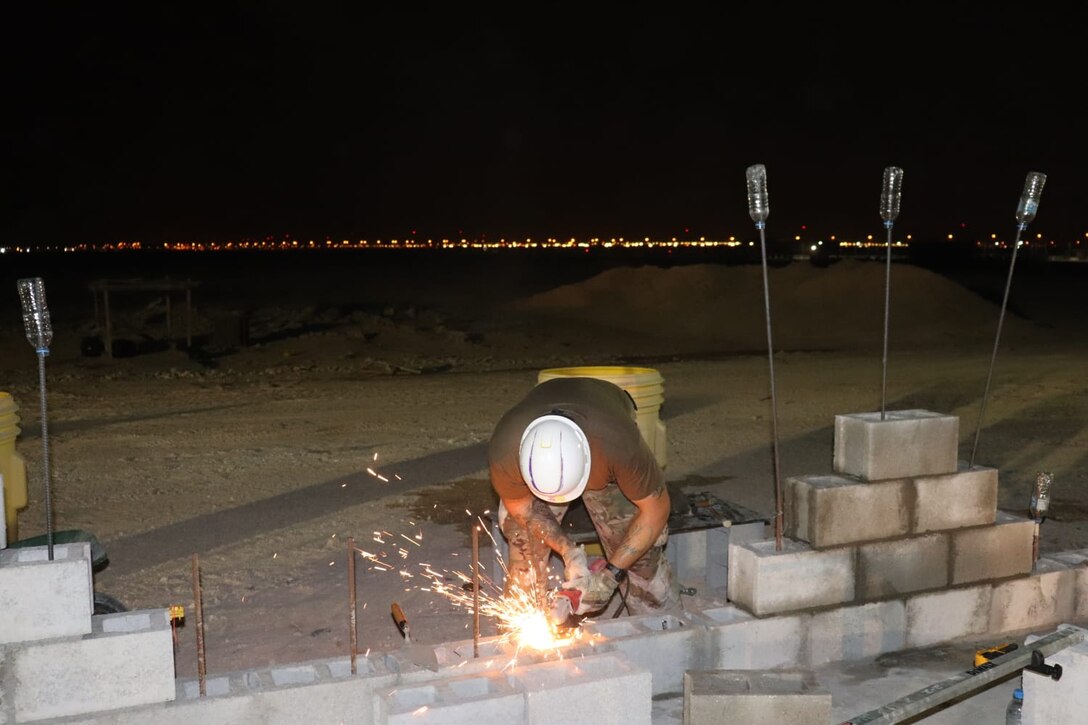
<point x="172" y="121"/>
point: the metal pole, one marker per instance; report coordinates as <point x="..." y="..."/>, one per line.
<point x="759" y="208"/>
<point x="890" y="194"/>
<point x="1026" y="210"/>
<point x="45" y="457"/>
<point x="887" y="308"/>
<point x="476" y="590"/>
<point x="199" y="609"/>
<point x="778" y="513"/>
<point x="997" y="339"/>
<point x="353" y="630"/>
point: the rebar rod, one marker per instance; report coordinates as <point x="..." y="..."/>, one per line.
<point x="778" y="523"/>
<point x="887" y="308"/>
<point x="352" y="616"/>
<point x="46" y="478"/>
<point x="199" y="609"/>
<point x="997" y="339"/>
<point x="476" y="591"/>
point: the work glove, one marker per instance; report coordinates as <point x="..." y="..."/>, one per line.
<point x="595" y="589"/>
<point x="575" y="564"/>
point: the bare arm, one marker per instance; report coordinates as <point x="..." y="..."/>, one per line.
<point x="537" y="519"/>
<point x="646" y="526"/>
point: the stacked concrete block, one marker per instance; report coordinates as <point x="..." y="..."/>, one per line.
<point x="1045" y="599"/>
<point x="603" y="689"/>
<point x="766" y="581"/>
<point x="992" y="552"/>
<point x="900" y="515"/>
<point x="664" y="645"/>
<point x="854" y="633"/>
<point x="780" y="697"/>
<point x="127" y="660"/>
<point x="42" y="599"/>
<point x="836" y="509"/>
<point x="948" y="615"/>
<point x="485" y="697"/>
<point x="736" y="640"/>
<point x="905" y="443"/>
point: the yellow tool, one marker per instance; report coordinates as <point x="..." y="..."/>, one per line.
<point x="983" y="656"/>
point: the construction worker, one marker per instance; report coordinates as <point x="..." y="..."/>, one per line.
<point x="571" y="437"/>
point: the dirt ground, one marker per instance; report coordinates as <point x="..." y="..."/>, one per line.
<point x="356" y="400"/>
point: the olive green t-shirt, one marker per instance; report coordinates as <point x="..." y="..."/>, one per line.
<point x="604" y="412"/>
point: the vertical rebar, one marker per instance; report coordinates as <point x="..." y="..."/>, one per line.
<point x="199" y="609"/>
<point x="45" y="457"/>
<point x="887" y="308"/>
<point x="352" y="631"/>
<point x="997" y="339"/>
<point x="476" y="590"/>
<point x="890" y="193"/>
<point x="778" y="523"/>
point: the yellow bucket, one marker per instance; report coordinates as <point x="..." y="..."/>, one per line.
<point x="644" y="385"/>
<point x="12" y="467"/>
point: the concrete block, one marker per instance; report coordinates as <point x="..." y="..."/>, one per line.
<point x="945" y="616"/>
<point x="890" y="568"/>
<point x="251" y="697"/>
<point x="1066" y="701"/>
<point x="992" y="552"/>
<point x="42" y="599"/>
<point x="833" y="510"/>
<point x="664" y="645"/>
<point x="738" y="641"/>
<point x="765" y="581"/>
<point x="701" y="557"/>
<point x="853" y="633"/>
<point x="131" y="664"/>
<point x="906" y="443"/>
<point x="1046" y="598"/>
<point x="957" y="500"/>
<point x="780" y="697"/>
<point x="603" y="689"/>
<point x="486" y="697"/>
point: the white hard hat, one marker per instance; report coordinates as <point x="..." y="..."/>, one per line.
<point x="555" y="458"/>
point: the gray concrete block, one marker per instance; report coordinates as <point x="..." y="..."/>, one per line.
<point x="992" y="552"/>
<point x="853" y="633"/>
<point x="957" y="500"/>
<point x="945" y="616"/>
<point x="42" y="599"/>
<point x="781" y="697"/>
<point x="833" y="510"/>
<point x="765" y="581"/>
<point x="906" y="443"/>
<point x="738" y="641"/>
<point x="890" y="568"/>
<point x="486" y="697"/>
<point x="664" y="645"/>
<point x="1046" y="598"/>
<point x="603" y="689"/>
<point x="251" y="697"/>
<point x="101" y="671"/>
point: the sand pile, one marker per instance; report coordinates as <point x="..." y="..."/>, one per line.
<point x="710" y="307"/>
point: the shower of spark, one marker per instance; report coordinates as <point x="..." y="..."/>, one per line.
<point x="519" y="616"/>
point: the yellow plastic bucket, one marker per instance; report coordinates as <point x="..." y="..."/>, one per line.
<point x="644" y="385"/>
<point x="12" y="467"/>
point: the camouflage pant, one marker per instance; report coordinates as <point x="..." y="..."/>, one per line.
<point x="650" y="586"/>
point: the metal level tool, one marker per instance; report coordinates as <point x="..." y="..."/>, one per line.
<point x="976" y="678"/>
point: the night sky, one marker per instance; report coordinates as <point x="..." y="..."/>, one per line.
<point x="179" y="121"/>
